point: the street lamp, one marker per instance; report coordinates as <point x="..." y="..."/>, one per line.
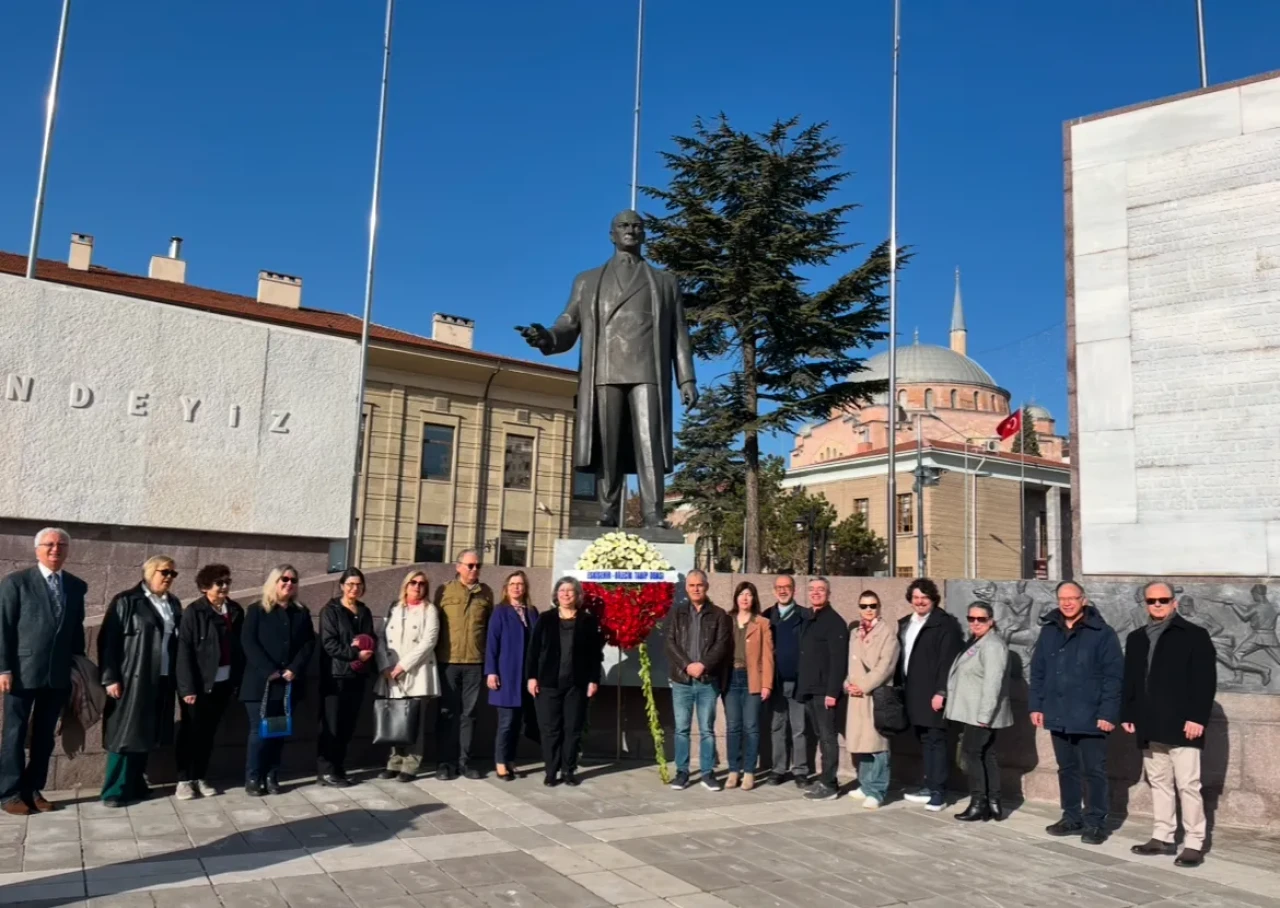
<point x="808" y="522"/>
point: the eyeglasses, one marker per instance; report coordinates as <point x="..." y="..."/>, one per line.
<point x="470" y="565"/>
<point x="979" y="619"/>
<point x="416" y="583"/>
<point x="168" y="572"/>
<point x="224" y="581"/>
<point x="52" y="546"/>
<point x="1159" y="600"/>
<point x="289" y="580"/>
<point x="870" y="605"/>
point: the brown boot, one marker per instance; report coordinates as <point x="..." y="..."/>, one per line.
<point x="732" y="781"/>
<point x="749" y="781"/>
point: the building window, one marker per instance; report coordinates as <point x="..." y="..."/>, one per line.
<point x="975" y="400"/>
<point x="584" y="486"/>
<point x="905" y="572"/>
<point x="517" y="470"/>
<point x="995" y="404"/>
<point x="862" y="507"/>
<point x="902" y="398"/>
<point x="905" y="522"/>
<point x="955" y="399"/>
<point x="437" y="451"/>
<point x="430" y="544"/>
<point x="928" y="399"/>
<point x="513" y="548"/>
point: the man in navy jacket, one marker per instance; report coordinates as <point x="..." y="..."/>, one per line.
<point x="1077" y="674"/>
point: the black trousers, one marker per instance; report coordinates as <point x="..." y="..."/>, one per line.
<point x="339" y="711"/>
<point x="979" y="746"/>
<point x="823" y="720"/>
<point x="508" y="736"/>
<point x="198" y="728"/>
<point x="933" y="753"/>
<point x="456" y="720"/>
<point x="22" y="776"/>
<point x="1082" y="758"/>
<point x="562" y="715"/>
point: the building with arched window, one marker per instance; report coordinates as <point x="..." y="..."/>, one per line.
<point x="971" y="521"/>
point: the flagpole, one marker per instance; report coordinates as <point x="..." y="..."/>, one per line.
<point x="1022" y="493"/>
<point x="635" y="128"/>
<point x="1204" y="66"/>
<point x="50" y="114"/>
<point x="892" y="489"/>
<point x="349" y="558"/>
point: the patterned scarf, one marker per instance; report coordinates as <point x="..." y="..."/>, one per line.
<point x="865" y="627"/>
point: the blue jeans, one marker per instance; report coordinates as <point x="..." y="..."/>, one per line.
<point x="1082" y="757"/>
<point x="873" y="774"/>
<point x="262" y="755"/>
<point x="742" y="724"/>
<point x="685" y="698"/>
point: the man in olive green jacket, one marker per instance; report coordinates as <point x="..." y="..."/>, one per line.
<point x="465" y="605"/>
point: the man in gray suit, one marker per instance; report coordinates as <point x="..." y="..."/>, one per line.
<point x="630" y="317"/>
<point x="41" y="631"/>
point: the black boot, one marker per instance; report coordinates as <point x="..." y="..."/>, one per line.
<point x="976" y="811"/>
<point x="252" y="788"/>
<point x="273" y="783"/>
<point x="994" y="809"/>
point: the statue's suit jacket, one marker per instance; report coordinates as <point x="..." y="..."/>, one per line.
<point x="587" y="317"/>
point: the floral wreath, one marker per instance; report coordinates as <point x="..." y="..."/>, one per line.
<point x="629" y="612"/>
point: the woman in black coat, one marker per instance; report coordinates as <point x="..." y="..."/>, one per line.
<point x="563" y="665"/>
<point x="278" y="640"/>
<point x="137" y="656"/>
<point x="210" y="665"/>
<point x="346" y="650"/>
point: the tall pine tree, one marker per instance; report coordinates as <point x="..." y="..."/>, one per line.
<point x="747" y="218"/>
<point x="1026" y="441"/>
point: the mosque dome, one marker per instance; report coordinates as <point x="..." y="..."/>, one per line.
<point x="1039" y="413"/>
<point x="921" y="364"/>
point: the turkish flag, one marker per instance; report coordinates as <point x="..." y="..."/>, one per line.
<point x="1010" y="426"/>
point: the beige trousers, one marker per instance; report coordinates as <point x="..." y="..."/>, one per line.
<point x="1174" y="775"/>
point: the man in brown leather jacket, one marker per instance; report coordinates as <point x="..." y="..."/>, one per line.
<point x="699" y="641"/>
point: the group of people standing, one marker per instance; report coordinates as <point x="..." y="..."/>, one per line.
<point x="790" y="663"/>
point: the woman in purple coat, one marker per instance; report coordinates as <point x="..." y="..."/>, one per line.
<point x="509" y="629"/>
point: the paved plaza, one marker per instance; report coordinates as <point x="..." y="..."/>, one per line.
<point x="619" y="839"/>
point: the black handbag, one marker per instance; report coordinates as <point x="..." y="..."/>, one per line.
<point x="888" y="711"/>
<point x="395" y="720"/>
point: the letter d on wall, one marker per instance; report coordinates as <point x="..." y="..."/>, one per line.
<point x="81" y="395"/>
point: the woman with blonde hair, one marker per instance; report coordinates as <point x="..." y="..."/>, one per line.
<point x="138" y="659"/>
<point x="407" y="662"/>
<point x="508" y="638"/>
<point x="278" y="641"/>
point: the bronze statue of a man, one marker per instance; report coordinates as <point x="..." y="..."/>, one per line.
<point x="630" y="317"/>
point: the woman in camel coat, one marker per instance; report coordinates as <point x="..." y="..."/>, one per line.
<point x="873" y="656"/>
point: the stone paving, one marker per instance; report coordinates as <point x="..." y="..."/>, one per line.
<point x="619" y="839"/>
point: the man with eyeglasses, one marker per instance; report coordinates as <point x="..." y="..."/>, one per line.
<point x="1170" y="678"/>
<point x="699" y="640"/>
<point x="41" y="631"/>
<point x="465" y="605"/>
<point x="790" y="737"/>
<point x="1077" y="672"/>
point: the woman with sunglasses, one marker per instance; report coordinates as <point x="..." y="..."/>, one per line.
<point x="873" y="656"/>
<point x="978" y="698"/>
<point x="137" y="657"/>
<point x="346" y="665"/>
<point x="278" y="640"/>
<point x="210" y="665"/>
<point x="407" y="663"/>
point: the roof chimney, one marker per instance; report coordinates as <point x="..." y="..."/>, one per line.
<point x="279" y="290"/>
<point x="81" y="252"/>
<point x="170" y="267"/>
<point x="453" y="329"/>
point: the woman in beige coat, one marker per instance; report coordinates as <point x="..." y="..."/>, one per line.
<point x="407" y="662"/>
<point x="873" y="656"/>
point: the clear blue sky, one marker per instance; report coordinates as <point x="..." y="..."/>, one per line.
<point x="247" y="127"/>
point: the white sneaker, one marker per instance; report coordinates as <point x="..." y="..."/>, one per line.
<point x="858" y="793"/>
<point x="186" y="791"/>
<point x="205" y="789"/>
<point x="920" y="796"/>
<point x="870" y="804"/>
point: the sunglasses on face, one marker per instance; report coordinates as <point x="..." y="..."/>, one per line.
<point x="289" y="581"/>
<point x="474" y="566"/>
<point x="416" y="583"/>
<point x="168" y="572"/>
<point x="224" y="581"/>
<point x="1160" y="600"/>
<point x="979" y="619"/>
<point x="870" y="605"/>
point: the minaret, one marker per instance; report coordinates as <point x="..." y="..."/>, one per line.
<point x="959" y="335"/>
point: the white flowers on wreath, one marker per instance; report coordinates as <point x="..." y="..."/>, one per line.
<point x="620" y="551"/>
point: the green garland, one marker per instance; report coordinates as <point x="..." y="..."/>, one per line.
<point x="651" y="710"/>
